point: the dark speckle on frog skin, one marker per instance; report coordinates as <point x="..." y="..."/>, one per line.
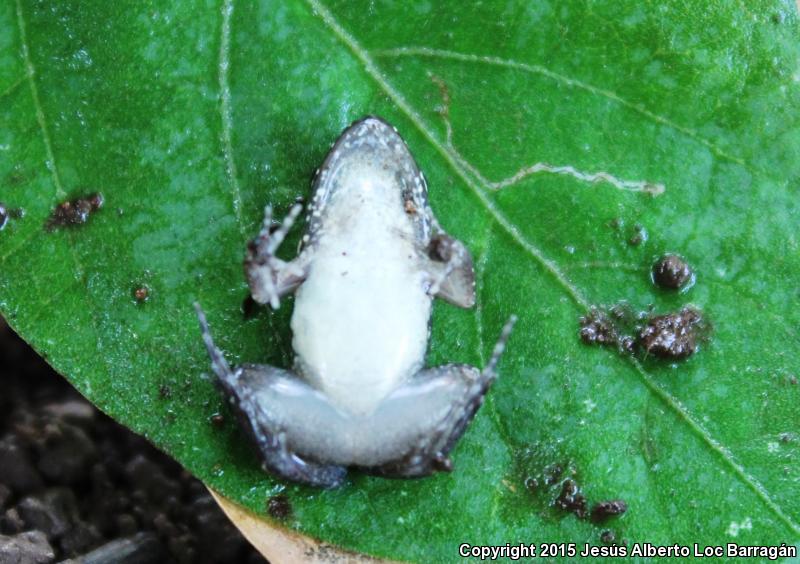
<point x="279" y="507"/>
<point x="74" y="212"/>
<point x="672" y="272"/>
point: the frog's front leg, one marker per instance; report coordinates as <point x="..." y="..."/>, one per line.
<point x="449" y="267"/>
<point x="269" y="277"/>
<point x="244" y="388"/>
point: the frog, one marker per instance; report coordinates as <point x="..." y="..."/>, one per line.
<point x="372" y="259"/>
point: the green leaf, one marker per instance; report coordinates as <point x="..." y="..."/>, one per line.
<point x="189" y="118"/>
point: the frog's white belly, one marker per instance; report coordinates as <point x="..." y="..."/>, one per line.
<point x="360" y="319"/>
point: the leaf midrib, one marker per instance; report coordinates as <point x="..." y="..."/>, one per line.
<point x="570" y="289"/>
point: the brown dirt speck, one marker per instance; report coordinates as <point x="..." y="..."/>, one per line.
<point x="600" y="328"/>
<point x="74" y="212"/>
<point x="608" y="537"/>
<point x="672" y="336"/>
<point x="639" y="236"/>
<point x="279" y="507"/>
<point x="671" y="272"/>
<point x="218" y="420"/>
<point x="606" y="509"/>
<point x="571" y="499"/>
<point x="141" y="294"/>
<point x="597" y="328"/>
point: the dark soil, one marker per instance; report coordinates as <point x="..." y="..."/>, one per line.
<point x="76" y="485"/>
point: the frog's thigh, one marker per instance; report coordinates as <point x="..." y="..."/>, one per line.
<point x="276" y="407"/>
<point x="423" y="420"/>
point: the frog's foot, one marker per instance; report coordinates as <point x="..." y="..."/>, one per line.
<point x="452" y="277"/>
<point x="268" y="276"/>
<point x="241" y="386"/>
<point x="267" y="431"/>
<point x="460" y="393"/>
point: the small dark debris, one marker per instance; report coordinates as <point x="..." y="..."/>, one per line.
<point x="571" y="499"/>
<point x="553" y="473"/>
<point x="639" y="236"/>
<point x="164" y="391"/>
<point x="410" y="208"/>
<point x="279" y="507"/>
<point x="617" y="223"/>
<point x="141" y="294"/>
<point x="786" y="437"/>
<point x="606" y="509"/>
<point x="608" y="537"/>
<point x="74" y="212"/>
<point x="218" y="420"/>
<point x="672" y="336"/>
<point x="598" y="328"/>
<point x="671" y="271"/>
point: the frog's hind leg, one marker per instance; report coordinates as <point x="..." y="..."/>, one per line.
<point x="243" y="388"/>
<point x="436" y="408"/>
<point x="269" y="277"/>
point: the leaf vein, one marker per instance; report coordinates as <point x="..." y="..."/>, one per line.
<point x="226" y="112"/>
<point x="30" y="73"/>
<point x="13" y="86"/>
<point x="415" y="51"/>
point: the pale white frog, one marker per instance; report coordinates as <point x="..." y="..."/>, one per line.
<point x="372" y="259"/>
